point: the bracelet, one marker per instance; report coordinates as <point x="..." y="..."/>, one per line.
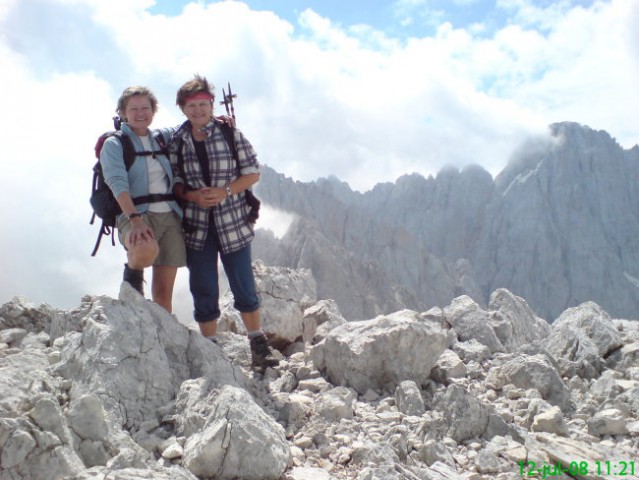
<point x="133" y="215"/>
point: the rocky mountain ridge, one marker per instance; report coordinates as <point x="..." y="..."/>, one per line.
<point x="558" y="226"/>
<point x="120" y="389"/>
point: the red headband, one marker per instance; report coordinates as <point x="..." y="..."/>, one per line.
<point x="199" y="96"/>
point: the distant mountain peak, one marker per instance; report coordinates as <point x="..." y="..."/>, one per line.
<point x="557" y="226"/>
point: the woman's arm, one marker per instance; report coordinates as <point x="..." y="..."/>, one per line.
<point x="243" y="182"/>
<point x="140" y="230"/>
<point x="204" y="198"/>
<point x="210" y="197"/>
<point x="113" y="168"/>
<point x="240" y="184"/>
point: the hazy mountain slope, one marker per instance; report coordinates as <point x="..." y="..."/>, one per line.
<point x="565" y="230"/>
<point x="558" y="226"/>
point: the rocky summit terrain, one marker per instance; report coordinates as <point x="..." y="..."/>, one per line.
<point x="120" y="389"/>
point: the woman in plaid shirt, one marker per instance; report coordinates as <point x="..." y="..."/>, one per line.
<point x="211" y="185"/>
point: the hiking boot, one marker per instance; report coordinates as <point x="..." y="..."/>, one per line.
<point x="261" y="353"/>
<point x="135" y="278"/>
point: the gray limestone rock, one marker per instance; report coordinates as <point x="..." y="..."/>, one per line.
<point x="552" y="421"/>
<point x="123" y="390"/>
<point x="369" y="354"/>
<point x="465" y="415"/>
<point x="526" y="371"/>
<point x="625" y="357"/>
<point x="320" y="319"/>
<point x="447" y="367"/>
<point x="335" y="404"/>
<point x="408" y="398"/>
<point x="514" y="321"/>
<point x="284" y="295"/>
<point x="574" y="351"/>
<point x="595" y="323"/>
<point x="610" y="421"/>
<point x="470" y="321"/>
<point x="235" y="429"/>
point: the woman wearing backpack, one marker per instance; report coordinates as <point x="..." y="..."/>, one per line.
<point x="211" y="183"/>
<point x="150" y="228"/>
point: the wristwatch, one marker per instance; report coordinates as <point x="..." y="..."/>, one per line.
<point x="134" y="214"/>
<point x="228" y="190"/>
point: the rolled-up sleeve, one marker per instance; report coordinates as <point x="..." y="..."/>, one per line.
<point x="246" y="155"/>
<point x="112" y="161"/>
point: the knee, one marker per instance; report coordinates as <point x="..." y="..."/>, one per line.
<point x="143" y="255"/>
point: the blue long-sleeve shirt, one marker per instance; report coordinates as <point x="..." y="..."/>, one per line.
<point x="136" y="180"/>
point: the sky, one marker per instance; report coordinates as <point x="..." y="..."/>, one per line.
<point x="364" y="90"/>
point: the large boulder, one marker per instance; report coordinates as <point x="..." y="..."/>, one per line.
<point x="371" y="354"/>
<point x="465" y="416"/>
<point x="236" y="438"/>
<point x="532" y="371"/>
<point x="285" y="294"/>
<point x="35" y="440"/>
<point x="514" y="321"/>
<point x="575" y="352"/>
<point x="470" y="321"/>
<point x="320" y="319"/>
<point x="94" y="397"/>
<point x="134" y="356"/>
<point x="596" y="324"/>
<point x="582" y="337"/>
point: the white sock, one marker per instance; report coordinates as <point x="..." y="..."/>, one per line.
<point x="255" y="333"/>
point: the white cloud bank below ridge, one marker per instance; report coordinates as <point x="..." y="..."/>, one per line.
<point x="315" y="98"/>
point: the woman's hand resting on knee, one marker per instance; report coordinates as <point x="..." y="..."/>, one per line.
<point x="141" y="232"/>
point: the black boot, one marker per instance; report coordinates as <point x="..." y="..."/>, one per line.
<point x="134" y="277"/>
<point x="261" y="354"/>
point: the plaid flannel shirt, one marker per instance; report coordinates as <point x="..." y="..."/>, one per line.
<point x="231" y="216"/>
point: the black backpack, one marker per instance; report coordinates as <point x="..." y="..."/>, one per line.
<point x="229" y="136"/>
<point x="104" y="204"/>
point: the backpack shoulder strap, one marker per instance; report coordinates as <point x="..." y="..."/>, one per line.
<point x="128" y="150"/>
<point x="229" y="136"/>
<point x="251" y="199"/>
<point x="161" y="141"/>
<point x="180" y="158"/>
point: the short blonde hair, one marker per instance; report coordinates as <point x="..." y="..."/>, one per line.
<point x="132" y="92"/>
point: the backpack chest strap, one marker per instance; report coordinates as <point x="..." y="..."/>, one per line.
<point x="153" y="198"/>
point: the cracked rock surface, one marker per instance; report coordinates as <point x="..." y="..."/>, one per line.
<point x="121" y="389"/>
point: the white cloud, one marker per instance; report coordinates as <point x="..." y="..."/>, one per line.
<point x="275" y="220"/>
<point x="315" y="98"/>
